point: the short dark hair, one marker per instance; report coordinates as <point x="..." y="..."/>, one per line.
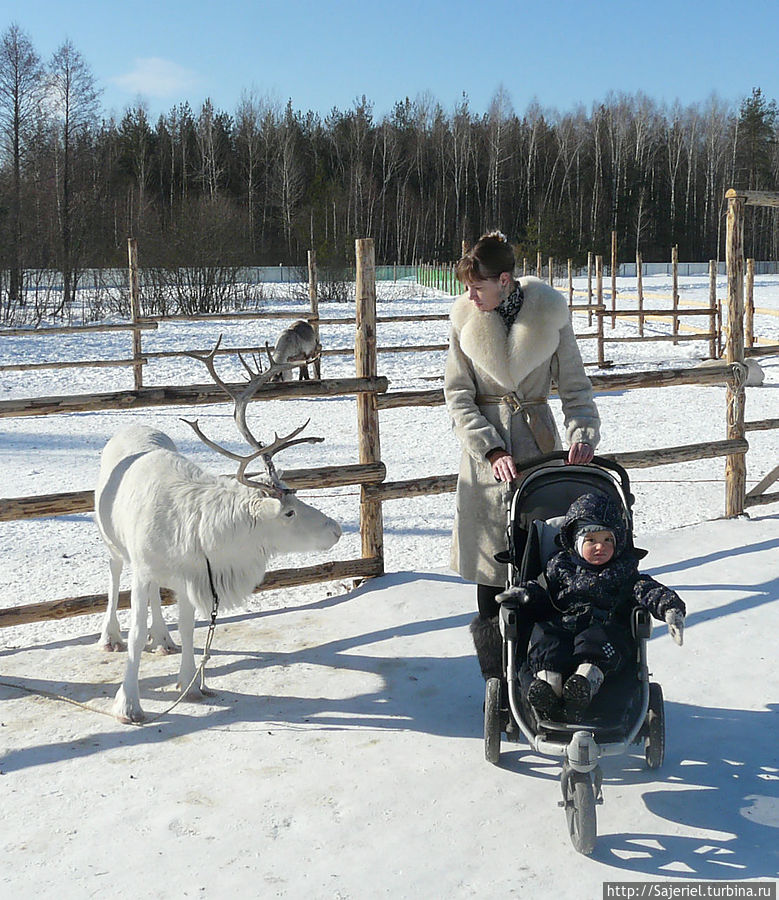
<point x="489" y="257"/>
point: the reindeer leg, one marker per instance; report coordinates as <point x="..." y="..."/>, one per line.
<point x="111" y="635"/>
<point x="188" y="668"/>
<point x="159" y="639"/>
<point x="127" y="703"/>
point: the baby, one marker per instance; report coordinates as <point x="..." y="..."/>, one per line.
<point x="582" y="632"/>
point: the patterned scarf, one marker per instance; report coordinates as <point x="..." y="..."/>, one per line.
<point x="510" y="307"/>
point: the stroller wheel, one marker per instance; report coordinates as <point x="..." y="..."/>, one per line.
<point x="492" y="723"/>
<point x="654" y="743"/>
<point x="580" y="810"/>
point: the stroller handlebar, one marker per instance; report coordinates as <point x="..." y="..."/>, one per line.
<point x="602" y="461"/>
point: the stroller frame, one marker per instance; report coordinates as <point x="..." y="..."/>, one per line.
<point x="581" y="745"/>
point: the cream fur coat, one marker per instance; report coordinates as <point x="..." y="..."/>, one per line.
<point x="484" y="361"/>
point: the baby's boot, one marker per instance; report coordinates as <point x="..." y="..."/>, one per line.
<point x="581" y="687"/>
<point x="544" y="693"/>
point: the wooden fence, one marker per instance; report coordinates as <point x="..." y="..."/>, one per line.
<point x="372" y="396"/>
<point x="138" y="324"/>
<point x="442" y="277"/>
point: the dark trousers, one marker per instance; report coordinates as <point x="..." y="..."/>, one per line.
<point x="557" y="649"/>
<point x="485" y="597"/>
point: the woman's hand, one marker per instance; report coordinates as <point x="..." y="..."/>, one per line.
<point x="580" y="454"/>
<point x="503" y="466"/>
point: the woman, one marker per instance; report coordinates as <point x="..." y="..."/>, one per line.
<point x="509" y="339"/>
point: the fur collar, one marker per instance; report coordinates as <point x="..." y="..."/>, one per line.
<point x="531" y="340"/>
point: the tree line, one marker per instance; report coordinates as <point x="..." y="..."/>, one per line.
<point x="265" y="183"/>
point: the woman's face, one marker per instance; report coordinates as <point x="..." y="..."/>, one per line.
<point x="486" y="295"/>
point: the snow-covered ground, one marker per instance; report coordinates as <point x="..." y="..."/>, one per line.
<point x="342" y="754"/>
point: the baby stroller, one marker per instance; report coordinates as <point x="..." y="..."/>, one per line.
<point x="628" y="709"/>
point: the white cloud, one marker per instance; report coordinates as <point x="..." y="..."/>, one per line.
<point x="156" y="77"/>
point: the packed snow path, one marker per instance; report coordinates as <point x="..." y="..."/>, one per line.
<point x="342" y="753"/>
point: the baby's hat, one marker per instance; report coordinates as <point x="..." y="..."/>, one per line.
<point x="586" y="528"/>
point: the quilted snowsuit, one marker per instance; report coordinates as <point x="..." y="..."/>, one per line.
<point x="587" y="608"/>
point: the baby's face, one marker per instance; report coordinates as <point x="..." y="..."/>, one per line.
<point x="598" y="547"/>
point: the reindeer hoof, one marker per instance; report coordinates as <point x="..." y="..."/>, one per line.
<point x="127" y="711"/>
<point x="162" y="644"/>
<point x="195" y="694"/>
<point x="112" y="645"/>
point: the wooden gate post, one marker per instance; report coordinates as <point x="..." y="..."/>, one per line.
<point x="539" y="265"/>
<point x="675" y="279"/>
<point x="371" y="519"/>
<point x="640" y="288"/>
<point x="135" y="310"/>
<point x="600" y="310"/>
<point x="589" y="288"/>
<point x="570" y="283"/>
<point x="735" y="465"/>
<point x="713" y="327"/>
<point x="749" y="317"/>
<point x="313" y="296"/>
<point x="613" y="278"/>
<point x="551" y="272"/>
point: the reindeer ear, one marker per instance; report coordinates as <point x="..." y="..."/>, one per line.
<point x="268" y="507"/>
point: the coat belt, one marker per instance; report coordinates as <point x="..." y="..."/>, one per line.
<point x="544" y="435"/>
<point x="512" y="400"/>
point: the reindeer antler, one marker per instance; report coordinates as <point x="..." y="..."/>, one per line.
<point x="272" y="489"/>
<point x="241" y="395"/>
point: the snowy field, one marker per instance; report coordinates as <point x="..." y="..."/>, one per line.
<point x="342" y="754"/>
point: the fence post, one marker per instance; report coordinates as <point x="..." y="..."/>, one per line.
<point x="570" y="283"/>
<point x="613" y="278"/>
<point x="713" y="327"/>
<point x="371" y="519"/>
<point x="551" y="272"/>
<point x="539" y="265"/>
<point x="675" y="276"/>
<point x="313" y="296"/>
<point x="735" y="465"/>
<point x="600" y="310"/>
<point x="749" y="319"/>
<point x="589" y="288"/>
<point x="640" y="288"/>
<point x="524" y="266"/>
<point x="135" y="310"/>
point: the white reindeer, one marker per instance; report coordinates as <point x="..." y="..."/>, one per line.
<point x="181" y="527"/>
<point x="298" y="344"/>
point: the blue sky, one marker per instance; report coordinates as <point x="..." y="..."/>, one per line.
<point x="559" y="53"/>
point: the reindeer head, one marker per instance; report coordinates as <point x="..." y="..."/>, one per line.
<point x="271" y="484"/>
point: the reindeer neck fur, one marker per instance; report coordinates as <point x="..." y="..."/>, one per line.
<point x="229" y="524"/>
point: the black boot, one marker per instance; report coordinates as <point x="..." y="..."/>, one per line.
<point x="489" y="646"/>
<point x="541" y="696"/>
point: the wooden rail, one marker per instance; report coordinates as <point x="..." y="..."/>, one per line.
<point x="143" y="325"/>
<point x="274" y="579"/>
<point x="44" y="505"/>
<point x="754" y="198"/>
<point x="77" y="364"/>
<point x="635" y="459"/>
<point x="758" y="496"/>
<point x="189" y="395"/>
<point x="719" y="374"/>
